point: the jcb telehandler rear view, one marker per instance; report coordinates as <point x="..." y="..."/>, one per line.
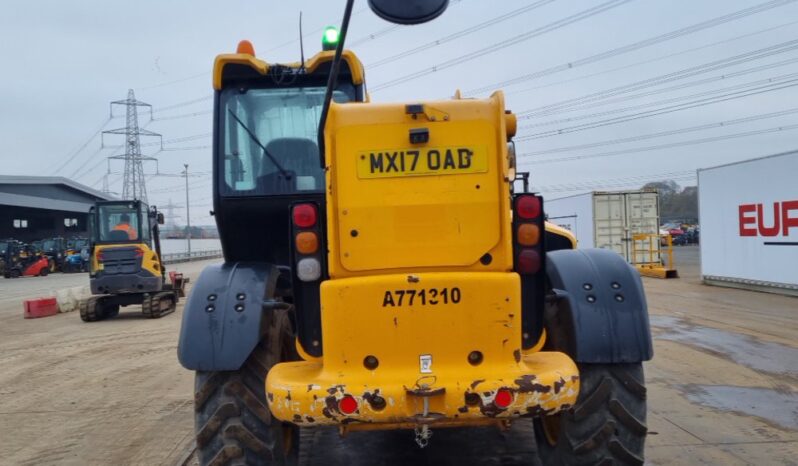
<point x="381" y="272"/>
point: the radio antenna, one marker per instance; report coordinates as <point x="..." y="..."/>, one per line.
<point x="301" y="45"/>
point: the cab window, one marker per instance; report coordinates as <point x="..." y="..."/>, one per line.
<point x="269" y="140"/>
<point x="118" y="223"/>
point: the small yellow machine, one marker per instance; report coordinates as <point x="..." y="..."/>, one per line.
<point x="383" y="271"/>
<point x="125" y="266"/>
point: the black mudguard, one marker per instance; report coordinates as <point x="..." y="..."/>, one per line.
<point x="223" y="318"/>
<point x="598" y="311"/>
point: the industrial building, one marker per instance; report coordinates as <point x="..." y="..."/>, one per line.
<point x="36" y="207"/>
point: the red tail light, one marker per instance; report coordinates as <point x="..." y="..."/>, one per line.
<point x="347" y="404"/>
<point x="527" y="207"/>
<point x="503" y="399"/>
<point x="139" y="253"/>
<point x="100" y="256"/>
<point x="305" y="215"/>
<point x="528" y="261"/>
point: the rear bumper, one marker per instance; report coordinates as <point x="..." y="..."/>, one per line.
<point x="142" y="282"/>
<point x="358" y="321"/>
<point x="304" y="393"/>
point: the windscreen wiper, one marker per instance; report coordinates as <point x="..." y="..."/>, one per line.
<point x="257" y="141"/>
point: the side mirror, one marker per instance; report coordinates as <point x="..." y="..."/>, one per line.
<point x="160" y="218"/>
<point x="408" y="11"/>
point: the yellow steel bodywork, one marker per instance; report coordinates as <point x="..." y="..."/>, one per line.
<point x="356" y="323"/>
<point x="560" y="231"/>
<point x="438" y="222"/>
<point x="150" y="261"/>
<point x="416" y="233"/>
<point x="262" y="67"/>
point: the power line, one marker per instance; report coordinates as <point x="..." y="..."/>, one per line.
<point x="635" y="46"/>
<point x="754" y="85"/>
<point x="80" y="149"/>
<point x="184" y="115"/>
<point x="667" y="146"/>
<point x="642" y="137"/>
<point x="663" y="110"/>
<point x="182" y="104"/>
<point x="461" y="33"/>
<point x="666" y="78"/>
<point x="749" y="84"/>
<point x="645" y="62"/>
<point x="277" y="47"/>
<point x="507" y="42"/>
<point x="684" y="175"/>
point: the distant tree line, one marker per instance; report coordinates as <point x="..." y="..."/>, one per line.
<point x="676" y="204"/>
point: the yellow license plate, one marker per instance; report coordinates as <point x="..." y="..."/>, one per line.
<point x="450" y="160"/>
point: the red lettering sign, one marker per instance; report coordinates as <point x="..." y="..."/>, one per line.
<point x="786" y="220"/>
<point x="772" y="230"/>
<point x="785" y="217"/>
<point x="747" y="220"/>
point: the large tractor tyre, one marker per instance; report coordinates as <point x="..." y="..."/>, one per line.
<point x="232" y="420"/>
<point x="606" y="426"/>
<point x="44" y="271"/>
<point x="14" y="273"/>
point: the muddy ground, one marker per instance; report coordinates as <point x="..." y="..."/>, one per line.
<point x="723" y="387"/>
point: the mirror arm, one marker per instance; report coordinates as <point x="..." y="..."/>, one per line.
<point x="332" y="80"/>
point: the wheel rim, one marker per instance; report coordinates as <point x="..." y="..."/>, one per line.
<point x="551" y="429"/>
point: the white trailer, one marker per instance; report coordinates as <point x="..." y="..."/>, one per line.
<point x="609" y="220"/>
<point x="749" y="223"/>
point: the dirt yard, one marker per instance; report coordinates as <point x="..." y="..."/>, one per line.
<point x="723" y="386"/>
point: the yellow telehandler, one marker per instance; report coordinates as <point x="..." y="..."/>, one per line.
<point x="382" y="271"/>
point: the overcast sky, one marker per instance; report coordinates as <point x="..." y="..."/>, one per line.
<point x="65" y="61"/>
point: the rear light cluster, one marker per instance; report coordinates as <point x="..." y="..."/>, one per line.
<point x="306" y="233"/>
<point x="528" y="229"/>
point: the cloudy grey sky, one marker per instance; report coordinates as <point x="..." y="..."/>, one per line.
<point x="64" y="62"/>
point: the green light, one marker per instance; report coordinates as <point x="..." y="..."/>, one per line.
<point x="329" y="40"/>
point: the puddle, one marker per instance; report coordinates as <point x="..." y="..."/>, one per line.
<point x="772" y="406"/>
<point x="742" y="349"/>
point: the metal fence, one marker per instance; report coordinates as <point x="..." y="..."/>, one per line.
<point x="194" y="256"/>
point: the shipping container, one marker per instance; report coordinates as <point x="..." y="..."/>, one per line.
<point x="749" y="223"/>
<point x="610" y="220"/>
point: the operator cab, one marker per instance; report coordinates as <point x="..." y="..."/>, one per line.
<point x="266" y="153"/>
<point x="118" y="222"/>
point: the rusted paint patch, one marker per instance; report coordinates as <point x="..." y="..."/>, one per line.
<point x="288" y="395"/>
<point x="310" y="387"/>
<point x="330" y="410"/>
<point x="476" y="382"/>
<point x="270" y="396"/>
<point x="463" y="409"/>
<point x="309" y="419"/>
<point x="297" y="418"/>
<point x="517" y="355"/>
<point x="337" y="388"/>
<point x="558" y="384"/>
<point x="527" y="384"/>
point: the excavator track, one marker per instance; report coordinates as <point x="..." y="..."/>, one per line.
<point x="89" y="310"/>
<point x="158" y="305"/>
